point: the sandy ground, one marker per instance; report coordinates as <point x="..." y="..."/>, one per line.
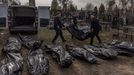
<point x="120" y="66"/>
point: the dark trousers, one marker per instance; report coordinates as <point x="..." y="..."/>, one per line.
<point x="95" y="33"/>
<point x="58" y="33"/>
<point x="75" y="26"/>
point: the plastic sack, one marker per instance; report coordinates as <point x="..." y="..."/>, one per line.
<point x="11" y="68"/>
<point x="79" y="34"/>
<point x="123" y="48"/>
<point x="128" y="46"/>
<point x="85" y="29"/>
<point x="81" y="53"/>
<point x="119" y="51"/>
<point x="102" y="52"/>
<point x="28" y="41"/>
<point x="37" y="62"/>
<point x="63" y="58"/>
<point x="12" y="45"/>
<point x="115" y="42"/>
<point x="13" y="62"/>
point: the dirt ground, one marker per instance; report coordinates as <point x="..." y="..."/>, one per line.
<point x="121" y="66"/>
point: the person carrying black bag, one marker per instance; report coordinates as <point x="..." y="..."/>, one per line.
<point x="58" y="28"/>
<point x="95" y="28"/>
<point x="74" y="21"/>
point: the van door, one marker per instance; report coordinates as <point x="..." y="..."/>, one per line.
<point x="3" y="16"/>
<point x="44" y="16"/>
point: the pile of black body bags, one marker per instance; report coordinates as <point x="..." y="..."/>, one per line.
<point x="38" y="63"/>
<point x="12" y="64"/>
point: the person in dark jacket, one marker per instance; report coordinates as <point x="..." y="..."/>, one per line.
<point x="74" y="17"/>
<point x="95" y="28"/>
<point x="74" y="21"/>
<point x="58" y="28"/>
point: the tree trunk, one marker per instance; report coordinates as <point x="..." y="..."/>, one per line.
<point x="32" y="2"/>
<point x="124" y="16"/>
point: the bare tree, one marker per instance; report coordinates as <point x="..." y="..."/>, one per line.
<point x="32" y="2"/>
<point x="101" y="11"/>
<point x="89" y="6"/>
<point x="54" y="7"/>
<point x="124" y="8"/>
<point x="132" y="6"/>
<point x="110" y="4"/>
<point x="63" y="2"/>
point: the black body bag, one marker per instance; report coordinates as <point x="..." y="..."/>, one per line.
<point x="81" y="53"/>
<point x="28" y="41"/>
<point x="79" y="34"/>
<point x="102" y="52"/>
<point x="127" y="46"/>
<point x="38" y="64"/>
<point x="63" y="58"/>
<point x="123" y="48"/>
<point x="12" y="63"/>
